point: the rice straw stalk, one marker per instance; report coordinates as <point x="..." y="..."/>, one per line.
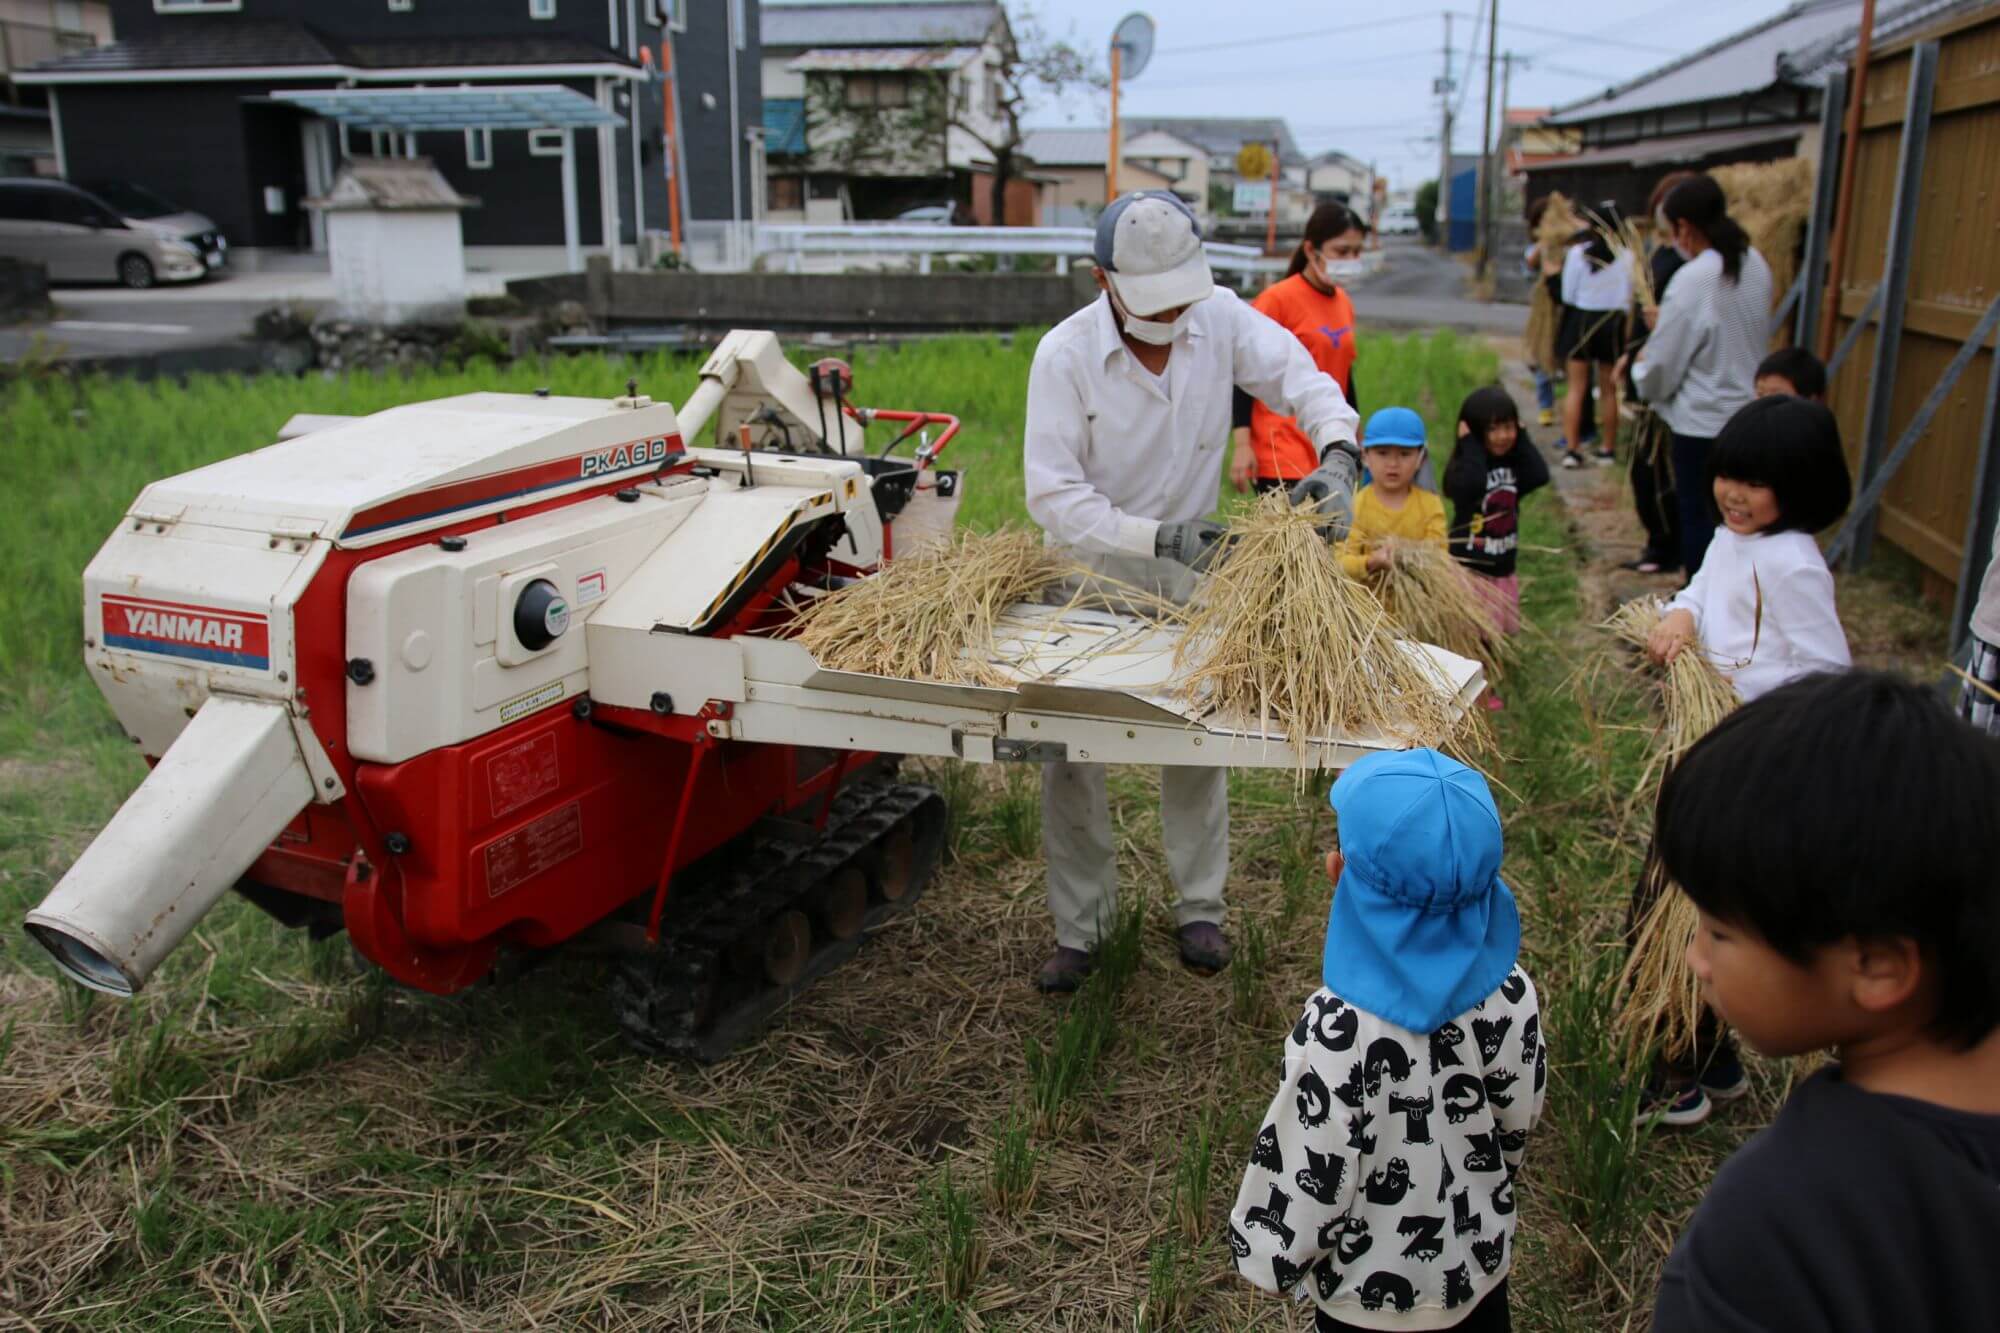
<point x="932" y="616"/>
<point x="1279" y="637"/>
<point x="1693" y="693"/>
<point x="1660" y="1006"/>
<point x="1431" y="598"/>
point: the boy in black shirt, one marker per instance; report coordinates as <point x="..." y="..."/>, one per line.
<point x="1839" y="837"/>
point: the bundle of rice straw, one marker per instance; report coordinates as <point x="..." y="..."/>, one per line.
<point x="1627" y="239"/>
<point x="931" y="616"/>
<point x="1430" y="596"/>
<point x="1559" y="224"/>
<point x="1771" y="201"/>
<point x="1693" y="694"/>
<point x="1661" y="1005"/>
<point x="1280" y="637"/>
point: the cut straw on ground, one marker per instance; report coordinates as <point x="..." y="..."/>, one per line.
<point x="1280" y="637"/>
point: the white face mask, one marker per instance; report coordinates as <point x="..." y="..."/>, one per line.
<point x="1152" y="330"/>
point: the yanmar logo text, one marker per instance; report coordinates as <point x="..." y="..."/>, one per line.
<point x="639" y="453"/>
<point x="198" y="633"/>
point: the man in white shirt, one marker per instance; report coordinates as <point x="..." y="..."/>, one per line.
<point x="1128" y="411"/>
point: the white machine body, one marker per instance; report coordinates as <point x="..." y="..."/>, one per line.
<point x="331" y="557"/>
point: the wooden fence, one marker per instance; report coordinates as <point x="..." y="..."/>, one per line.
<point x="1953" y="273"/>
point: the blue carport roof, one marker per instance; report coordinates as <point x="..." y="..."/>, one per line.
<point x="520" y="106"/>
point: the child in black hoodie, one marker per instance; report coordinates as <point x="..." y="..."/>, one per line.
<point x="1493" y="467"/>
<point x="1838" y="838"/>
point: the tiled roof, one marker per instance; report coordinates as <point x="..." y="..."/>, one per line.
<point x="882" y="24"/>
<point x="232" y="43"/>
<point x="236" y="43"/>
<point x="1222" y="136"/>
<point x="855" y="59"/>
<point x="1067" y="148"/>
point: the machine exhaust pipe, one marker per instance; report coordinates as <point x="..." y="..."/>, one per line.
<point x="218" y="797"/>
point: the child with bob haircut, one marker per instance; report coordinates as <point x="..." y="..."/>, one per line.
<point x="1838" y="838"/>
<point x="1762" y="602"/>
<point x="1392" y="506"/>
<point x="1384" y="1174"/>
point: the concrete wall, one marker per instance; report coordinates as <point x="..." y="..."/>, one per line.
<point x="24" y="290"/>
<point x="887" y="302"/>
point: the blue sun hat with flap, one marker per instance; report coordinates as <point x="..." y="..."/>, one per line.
<point x="1422" y="928"/>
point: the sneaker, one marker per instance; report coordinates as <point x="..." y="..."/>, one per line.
<point x="1064" y="972"/>
<point x="1204" y="947"/>
<point x="1605" y="459"/>
<point x="1548" y="417"/>
<point x="1681" y="1104"/>
<point x="1572" y="459"/>
<point x="1725" y="1079"/>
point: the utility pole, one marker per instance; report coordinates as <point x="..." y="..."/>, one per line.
<point x="1485" y="251"/>
<point x="1443" y="212"/>
<point x="1500" y="149"/>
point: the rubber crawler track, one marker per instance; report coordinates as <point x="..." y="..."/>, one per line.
<point x="687" y="1000"/>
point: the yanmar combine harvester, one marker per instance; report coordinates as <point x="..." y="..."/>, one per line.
<point x="507" y="671"/>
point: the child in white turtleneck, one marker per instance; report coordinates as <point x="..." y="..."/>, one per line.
<point x="1762" y="605"/>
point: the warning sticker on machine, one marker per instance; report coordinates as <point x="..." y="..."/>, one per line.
<point x="523" y="773"/>
<point x="534" y="847"/>
<point x="524" y="704"/>
<point x="590" y="587"/>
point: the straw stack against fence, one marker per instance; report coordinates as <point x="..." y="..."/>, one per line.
<point x="1280" y="637"/>
<point x="1553" y="233"/>
<point x="931" y="616"/>
<point x="1661" y="1003"/>
<point x="1772" y="201"/>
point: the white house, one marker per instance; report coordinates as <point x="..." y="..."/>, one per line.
<point x="1071" y="161"/>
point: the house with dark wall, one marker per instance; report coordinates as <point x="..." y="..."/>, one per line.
<point x="182" y="102"/>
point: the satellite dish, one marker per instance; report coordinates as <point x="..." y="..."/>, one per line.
<point x="1134" y="39"/>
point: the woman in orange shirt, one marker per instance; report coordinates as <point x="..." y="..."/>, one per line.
<point x="1270" y="450"/>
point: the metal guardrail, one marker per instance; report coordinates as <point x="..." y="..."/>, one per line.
<point x="796" y="240"/>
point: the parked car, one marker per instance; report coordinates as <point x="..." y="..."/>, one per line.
<point x="112" y="231"/>
<point x="1398" y="221"/>
<point x="938" y="213"/>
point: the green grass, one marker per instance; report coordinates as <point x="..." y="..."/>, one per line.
<point x="275" y="1136"/>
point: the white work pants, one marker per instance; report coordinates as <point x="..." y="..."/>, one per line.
<point x="1083" y="862"/>
<point x="1076" y="816"/>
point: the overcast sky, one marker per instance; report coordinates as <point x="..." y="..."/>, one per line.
<point x="1346" y="76"/>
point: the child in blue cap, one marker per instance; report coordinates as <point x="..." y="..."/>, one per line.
<point x="1393" y="506"/>
<point x="1383" y="1177"/>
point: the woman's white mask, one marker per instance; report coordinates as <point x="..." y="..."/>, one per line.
<point x="1157" y="332"/>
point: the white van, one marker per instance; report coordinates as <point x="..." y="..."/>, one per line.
<point x="122" y="233"/>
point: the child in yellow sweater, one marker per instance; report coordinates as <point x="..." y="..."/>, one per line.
<point x="1391" y="506"/>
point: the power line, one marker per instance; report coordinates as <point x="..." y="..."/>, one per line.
<point x="1265" y="75"/>
<point x="1293" y="37"/>
<point x="1594" y="39"/>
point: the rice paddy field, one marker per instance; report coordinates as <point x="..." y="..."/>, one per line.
<point x="272" y="1137"/>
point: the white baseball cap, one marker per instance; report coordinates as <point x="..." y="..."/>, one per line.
<point x="1149" y="246"/>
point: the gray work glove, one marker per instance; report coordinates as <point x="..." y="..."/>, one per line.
<point x="1193" y="542"/>
<point x="1329" y="488"/>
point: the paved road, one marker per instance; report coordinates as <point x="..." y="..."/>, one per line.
<point x="1419" y="288"/>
